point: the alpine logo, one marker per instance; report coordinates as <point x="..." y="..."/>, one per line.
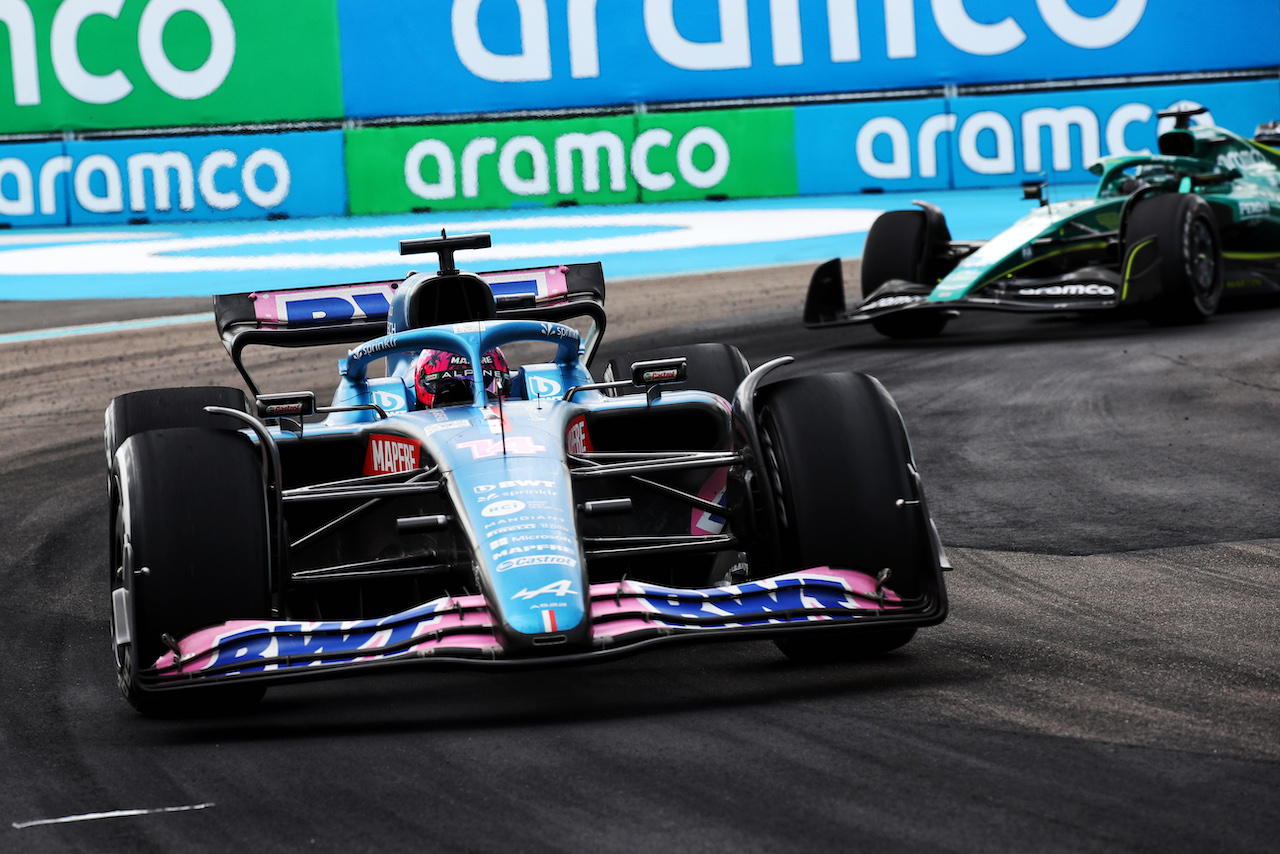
<point x="389" y="454"/>
<point x="1090" y="290"/>
<point x="561" y="588"/>
<point x="577" y="439"/>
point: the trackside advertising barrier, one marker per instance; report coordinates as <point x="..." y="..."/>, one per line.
<point x="495" y="55"/>
<point x="653" y="157"/>
<point x="316" y="107"/>
<point x="994" y="140"/>
<point x="99" y="64"/>
<point x="156" y="179"/>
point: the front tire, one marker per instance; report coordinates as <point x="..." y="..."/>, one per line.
<point x="1190" y="260"/>
<point x="838" y="460"/>
<point x="896" y="248"/>
<point x="190" y="549"/>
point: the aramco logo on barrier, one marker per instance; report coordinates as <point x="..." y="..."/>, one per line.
<point x="1060" y="126"/>
<point x="733" y="49"/>
<point x="99" y="183"/>
<point x="590" y="147"/>
<point x="92" y="87"/>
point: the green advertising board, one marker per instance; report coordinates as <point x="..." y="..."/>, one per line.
<point x="597" y="160"/>
<point x="723" y="153"/>
<point x="160" y="63"/>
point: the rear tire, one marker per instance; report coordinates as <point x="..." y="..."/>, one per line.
<point x="895" y="249"/>
<point x="1190" y="250"/>
<point x="156" y="408"/>
<point x="190" y="548"/>
<point x="838" y="461"/>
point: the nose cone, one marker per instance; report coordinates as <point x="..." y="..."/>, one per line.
<point x="554" y="608"/>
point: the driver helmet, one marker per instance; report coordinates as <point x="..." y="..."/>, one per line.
<point x="441" y="378"/>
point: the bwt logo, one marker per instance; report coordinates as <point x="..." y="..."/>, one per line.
<point x="733" y="49"/>
<point x="541" y="386"/>
<point x="590" y="148"/>
<point x="99" y="184"/>
<point x="334" y="308"/>
<point x="92" y="87"/>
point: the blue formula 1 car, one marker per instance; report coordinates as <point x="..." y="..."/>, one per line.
<point x="1167" y="235"/>
<point x="495" y="516"/>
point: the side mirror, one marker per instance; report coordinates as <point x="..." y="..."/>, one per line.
<point x="292" y="404"/>
<point x="1035" y="190"/>
<point x="655" y="373"/>
<point x="659" y="371"/>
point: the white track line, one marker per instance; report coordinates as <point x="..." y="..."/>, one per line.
<point x="98" y="328"/>
<point x="93" y="816"/>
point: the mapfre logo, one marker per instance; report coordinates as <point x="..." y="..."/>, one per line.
<point x="389" y="454"/>
<point x="576" y="438"/>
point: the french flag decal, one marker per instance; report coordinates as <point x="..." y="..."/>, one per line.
<point x="549" y="621"/>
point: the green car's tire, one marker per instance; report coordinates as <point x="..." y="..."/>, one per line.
<point x="895" y="249"/>
<point x="1190" y="261"/>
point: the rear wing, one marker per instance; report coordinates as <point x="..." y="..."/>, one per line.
<point x="356" y="312"/>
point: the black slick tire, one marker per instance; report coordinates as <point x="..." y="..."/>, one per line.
<point x="190" y="549"/>
<point x="155" y="408"/>
<point x="1190" y="259"/>
<point x="717" y="368"/>
<point x="838" y="460"/>
<point x="895" y="249"/>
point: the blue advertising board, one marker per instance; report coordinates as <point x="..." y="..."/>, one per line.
<point x="851" y="148"/>
<point x="1006" y="139"/>
<point x="33" y="184"/>
<point x="994" y="140"/>
<point x="229" y="176"/>
<point x="420" y="57"/>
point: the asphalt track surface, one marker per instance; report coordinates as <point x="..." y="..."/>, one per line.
<point x="1109" y="678"/>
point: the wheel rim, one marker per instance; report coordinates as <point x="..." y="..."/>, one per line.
<point x="1202" y="261"/>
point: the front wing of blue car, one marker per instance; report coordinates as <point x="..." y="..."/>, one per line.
<point x="626" y="616"/>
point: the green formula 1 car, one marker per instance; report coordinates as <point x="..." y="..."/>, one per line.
<point x="1169" y="234"/>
